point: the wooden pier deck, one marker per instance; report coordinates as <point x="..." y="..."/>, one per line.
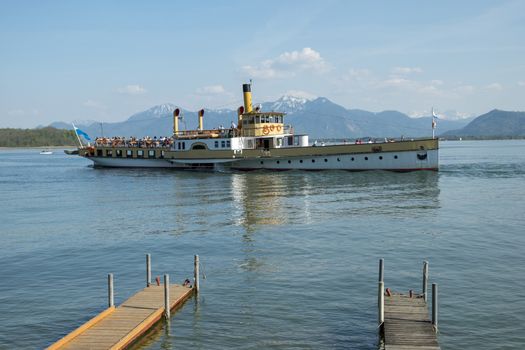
<point x="403" y="318"/>
<point x="117" y="328"/>
<point x="407" y="325"/>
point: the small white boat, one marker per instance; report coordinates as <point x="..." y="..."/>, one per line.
<point x="45" y="151"/>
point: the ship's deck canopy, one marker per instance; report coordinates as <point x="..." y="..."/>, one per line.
<point x="253" y="113"/>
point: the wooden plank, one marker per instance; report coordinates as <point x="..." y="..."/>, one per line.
<point x="125" y="324"/>
<point x="407" y="325"/>
<point x="60" y="343"/>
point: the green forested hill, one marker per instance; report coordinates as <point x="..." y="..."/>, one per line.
<point x="37" y="137"/>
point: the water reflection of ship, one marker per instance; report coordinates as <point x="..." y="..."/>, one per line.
<point x="259" y="199"/>
<point x="301" y="198"/>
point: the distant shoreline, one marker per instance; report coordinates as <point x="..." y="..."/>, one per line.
<point x="38" y="147"/>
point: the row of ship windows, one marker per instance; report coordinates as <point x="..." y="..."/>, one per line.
<point x="224" y="144"/>
<point x="129" y="153"/>
<point x="326" y="160"/>
<point x="181" y="145"/>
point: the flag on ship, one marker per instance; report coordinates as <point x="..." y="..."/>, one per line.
<point x="81" y="133"/>
<point x="434" y="117"/>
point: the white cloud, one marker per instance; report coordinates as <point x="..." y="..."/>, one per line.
<point x="211" y="90"/>
<point x="521" y="83"/>
<point x="93" y="104"/>
<point x="23" y="112"/>
<point x="300" y="94"/>
<point x="406" y="70"/>
<point x="397" y="82"/>
<point x="133" y="89"/>
<point x="494" y="86"/>
<point x="464" y="89"/>
<point x="432" y="88"/>
<point x="357" y="74"/>
<point x="288" y="64"/>
<point x="16" y="112"/>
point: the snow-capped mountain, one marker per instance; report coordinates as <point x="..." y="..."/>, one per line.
<point x="319" y="117"/>
<point x="154" y="112"/>
<point x="446" y="115"/>
<point x="287" y="104"/>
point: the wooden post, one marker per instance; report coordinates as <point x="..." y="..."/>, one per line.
<point x="111" y="299"/>
<point x="381" y="302"/>
<point x="381" y="269"/>
<point x="435" y="305"/>
<point x="196" y="273"/>
<point x="167" y="296"/>
<point x="425" y="279"/>
<point x="148" y="270"/>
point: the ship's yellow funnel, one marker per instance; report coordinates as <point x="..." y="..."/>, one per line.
<point x="201" y="113"/>
<point x="176" y="113"/>
<point x="247" y="92"/>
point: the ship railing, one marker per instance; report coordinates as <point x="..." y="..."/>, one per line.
<point x="134" y="143"/>
<point x="213" y="133"/>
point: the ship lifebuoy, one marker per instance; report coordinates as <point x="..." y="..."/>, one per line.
<point x="266" y="130"/>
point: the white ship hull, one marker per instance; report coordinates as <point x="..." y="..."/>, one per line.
<point x="108" y="162"/>
<point x="395" y="161"/>
<point x="398" y="161"/>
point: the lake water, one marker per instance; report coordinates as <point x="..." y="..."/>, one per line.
<point x="290" y="258"/>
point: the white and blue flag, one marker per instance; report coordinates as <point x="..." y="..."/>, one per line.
<point x="81" y="133"/>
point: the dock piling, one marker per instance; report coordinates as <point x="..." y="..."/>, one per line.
<point x="381" y="269"/>
<point x="196" y="273"/>
<point x="148" y="270"/>
<point x="167" y="296"/>
<point x="425" y="279"/>
<point x="111" y="299"/>
<point x="435" y="305"/>
<point x="381" y="302"/>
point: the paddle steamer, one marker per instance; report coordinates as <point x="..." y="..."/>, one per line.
<point x="260" y="140"/>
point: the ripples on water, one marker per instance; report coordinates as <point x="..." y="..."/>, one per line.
<point x="290" y="258"/>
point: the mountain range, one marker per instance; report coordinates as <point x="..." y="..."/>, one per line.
<point x="320" y="118"/>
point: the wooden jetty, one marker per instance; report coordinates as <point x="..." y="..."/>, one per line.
<point x="404" y="319"/>
<point x="119" y="327"/>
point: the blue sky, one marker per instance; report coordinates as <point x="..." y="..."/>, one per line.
<point x="101" y="60"/>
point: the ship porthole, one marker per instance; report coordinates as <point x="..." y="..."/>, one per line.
<point x="313" y="160"/>
<point x="262" y="162"/>
<point x="289" y="162"/>
<point x="326" y="160"/>
<point x="380" y="157"/>
<point x="301" y="161"/>
<point x="366" y="158"/>
<point x="353" y="159"/>
<point x="338" y="159"/>
<point x="395" y="157"/>
<point x="278" y="162"/>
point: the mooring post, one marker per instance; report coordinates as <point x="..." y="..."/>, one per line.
<point x="111" y="299"/>
<point x="196" y="273"/>
<point x="148" y="270"/>
<point x="381" y="269"/>
<point x="167" y="296"/>
<point x="435" y="305"/>
<point x="425" y="279"/>
<point x="381" y="302"/>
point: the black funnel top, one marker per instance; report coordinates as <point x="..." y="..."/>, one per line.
<point x="246" y="88"/>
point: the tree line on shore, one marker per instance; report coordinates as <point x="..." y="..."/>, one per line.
<point x="42" y="137"/>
